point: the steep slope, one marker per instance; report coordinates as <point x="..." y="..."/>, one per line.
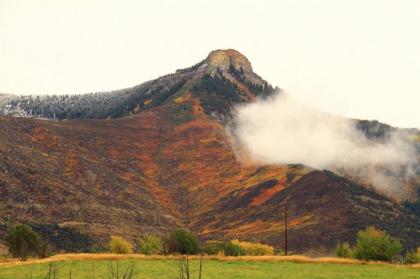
<point x="322" y="209"/>
<point x="165" y="161"/>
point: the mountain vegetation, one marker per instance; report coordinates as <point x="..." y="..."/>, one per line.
<point x="147" y="159"/>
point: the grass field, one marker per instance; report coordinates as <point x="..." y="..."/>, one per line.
<point x="212" y="268"/>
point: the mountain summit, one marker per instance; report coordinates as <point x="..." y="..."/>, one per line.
<point x="157" y="156"/>
<point x="223" y="58"/>
<point x="230" y="61"/>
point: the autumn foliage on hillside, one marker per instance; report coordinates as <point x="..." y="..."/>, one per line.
<point x="167" y="161"/>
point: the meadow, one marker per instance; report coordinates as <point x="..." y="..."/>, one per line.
<point x="99" y="266"/>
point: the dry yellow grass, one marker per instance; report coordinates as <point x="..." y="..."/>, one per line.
<point x="294" y="258"/>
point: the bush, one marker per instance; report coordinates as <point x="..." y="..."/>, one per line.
<point x="373" y="244"/>
<point x="43" y="250"/>
<point x="254" y="249"/>
<point x="232" y="249"/>
<point x="237" y="248"/>
<point x="119" y="245"/>
<point x="213" y="247"/>
<point x="183" y="242"/>
<point x="21" y="241"/>
<point x="343" y="250"/>
<point x="150" y="244"/>
<point x="412" y="257"/>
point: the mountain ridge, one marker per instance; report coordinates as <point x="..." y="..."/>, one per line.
<point x="125" y="102"/>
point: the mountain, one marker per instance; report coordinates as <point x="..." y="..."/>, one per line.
<point x="155" y="156"/>
<point x="221" y="71"/>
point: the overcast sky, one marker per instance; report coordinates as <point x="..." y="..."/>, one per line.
<point x="354" y="58"/>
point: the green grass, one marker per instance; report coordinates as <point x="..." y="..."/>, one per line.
<point x="212" y="269"/>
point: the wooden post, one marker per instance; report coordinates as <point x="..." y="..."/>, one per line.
<point x="285" y="227"/>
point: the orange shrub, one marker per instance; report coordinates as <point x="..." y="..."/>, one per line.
<point x="254" y="249"/>
<point x="119" y="245"/>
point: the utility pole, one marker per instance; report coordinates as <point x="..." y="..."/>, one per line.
<point x="285" y="227"/>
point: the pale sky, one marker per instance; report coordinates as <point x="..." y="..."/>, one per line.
<point x="353" y="58"/>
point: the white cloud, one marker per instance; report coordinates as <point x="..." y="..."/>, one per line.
<point x="280" y="130"/>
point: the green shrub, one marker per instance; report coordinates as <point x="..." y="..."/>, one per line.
<point x="343" y="250"/>
<point x="254" y="249"/>
<point x="412" y="257"/>
<point x="119" y="245"/>
<point x="21" y="241"/>
<point x="213" y="247"/>
<point x="373" y="244"/>
<point x="183" y="242"/>
<point x="150" y="244"/>
<point x="232" y="249"/>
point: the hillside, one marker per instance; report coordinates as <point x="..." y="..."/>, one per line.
<point x="157" y="155"/>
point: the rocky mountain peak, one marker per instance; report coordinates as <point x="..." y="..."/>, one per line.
<point x="224" y="58"/>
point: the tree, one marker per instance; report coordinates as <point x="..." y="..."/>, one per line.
<point x="374" y="244"/>
<point x="183" y="242"/>
<point x="21" y="241"/>
<point x="43" y="249"/>
<point x="119" y="245"/>
<point x="150" y="244"/>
